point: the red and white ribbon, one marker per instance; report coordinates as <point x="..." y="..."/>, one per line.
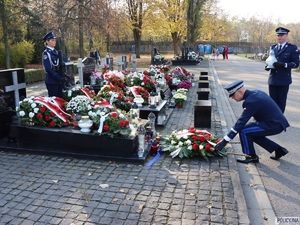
<point x="53" y="106"/>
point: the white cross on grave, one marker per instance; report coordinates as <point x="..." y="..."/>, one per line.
<point x="120" y="63"/>
<point x="80" y="66"/>
<point x="133" y="62"/>
<point x="15" y="87"/>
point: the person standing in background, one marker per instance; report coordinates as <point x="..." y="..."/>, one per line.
<point x="280" y="77"/>
<point x="97" y="56"/>
<point x="223" y="52"/>
<point x="53" y="80"/>
<point x="217" y="53"/>
<point x="213" y="54"/>
<point x="92" y="53"/>
<point x="226" y="52"/>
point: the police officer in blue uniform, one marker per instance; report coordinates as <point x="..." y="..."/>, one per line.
<point x="54" y="80"/>
<point x="269" y="120"/>
<point x="281" y="76"/>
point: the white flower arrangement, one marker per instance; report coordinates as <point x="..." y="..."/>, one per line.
<point x="182" y="90"/>
<point x="79" y="104"/>
<point x="158" y="57"/>
<point x="179" y="98"/>
<point x="153" y="70"/>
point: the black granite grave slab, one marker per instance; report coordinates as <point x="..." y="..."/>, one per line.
<point x="71" y="142"/>
<point x="161" y="112"/>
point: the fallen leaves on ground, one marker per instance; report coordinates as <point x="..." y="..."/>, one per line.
<point x="104" y="185"/>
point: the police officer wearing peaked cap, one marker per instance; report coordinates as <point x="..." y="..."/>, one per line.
<point x="269" y="120"/>
<point x="280" y="77"/>
<point x="53" y="80"/>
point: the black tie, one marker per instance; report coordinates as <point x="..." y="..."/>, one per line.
<point x="279" y="48"/>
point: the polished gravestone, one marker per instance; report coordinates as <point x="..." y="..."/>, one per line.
<point x="71" y="142"/>
<point x="162" y="113"/>
<point x="88" y="69"/>
<point x="12" y="89"/>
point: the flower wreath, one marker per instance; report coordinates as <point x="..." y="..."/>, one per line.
<point x="137" y="90"/>
<point x="190" y="143"/>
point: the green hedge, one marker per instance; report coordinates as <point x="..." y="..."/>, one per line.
<point x="36" y="75"/>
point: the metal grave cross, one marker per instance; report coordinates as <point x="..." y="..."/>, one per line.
<point x="15" y="87"/>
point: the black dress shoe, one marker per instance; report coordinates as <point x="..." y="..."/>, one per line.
<point x="279" y="153"/>
<point x="248" y="160"/>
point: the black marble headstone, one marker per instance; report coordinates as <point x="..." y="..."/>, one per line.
<point x="12" y="89"/>
<point x="88" y="69"/>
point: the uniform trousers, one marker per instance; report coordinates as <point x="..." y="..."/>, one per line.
<point x="279" y="95"/>
<point x="252" y="133"/>
<point x="54" y="90"/>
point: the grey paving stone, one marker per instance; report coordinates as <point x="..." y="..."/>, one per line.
<point x="25" y="214"/>
<point x="45" y="219"/>
<point x="232" y="221"/>
<point x="160" y="220"/>
<point x="106" y="220"/>
<point x="16" y="221"/>
<point x="5" y="219"/>
<point x="61" y="214"/>
<point x="174" y="221"/>
<point x="27" y="222"/>
<point x="217" y="219"/>
<point x="130" y="222"/>
<point x="117" y="221"/>
<point x="55" y="220"/>
<point x="66" y="221"/>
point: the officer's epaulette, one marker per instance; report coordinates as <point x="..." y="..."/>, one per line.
<point x="290" y="44"/>
<point x="46" y="50"/>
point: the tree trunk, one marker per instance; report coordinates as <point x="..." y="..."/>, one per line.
<point x="176" y="41"/>
<point x="80" y="24"/>
<point x="5" y="34"/>
<point x="137" y="41"/>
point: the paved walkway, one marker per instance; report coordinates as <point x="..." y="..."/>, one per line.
<point x="36" y="189"/>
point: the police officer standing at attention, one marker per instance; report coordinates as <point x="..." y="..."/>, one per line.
<point x="269" y="120"/>
<point x="281" y="76"/>
<point x="54" y="81"/>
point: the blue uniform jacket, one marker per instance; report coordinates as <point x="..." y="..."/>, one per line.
<point x="51" y="66"/>
<point x="263" y="109"/>
<point x="289" y="54"/>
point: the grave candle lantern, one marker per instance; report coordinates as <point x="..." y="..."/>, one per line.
<point x="152" y="100"/>
<point x="135" y="110"/>
<point x="151" y="118"/>
<point x="141" y="138"/>
<point x="158" y="88"/>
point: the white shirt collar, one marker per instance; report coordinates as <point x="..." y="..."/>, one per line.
<point x="281" y="45"/>
<point x="50" y="48"/>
